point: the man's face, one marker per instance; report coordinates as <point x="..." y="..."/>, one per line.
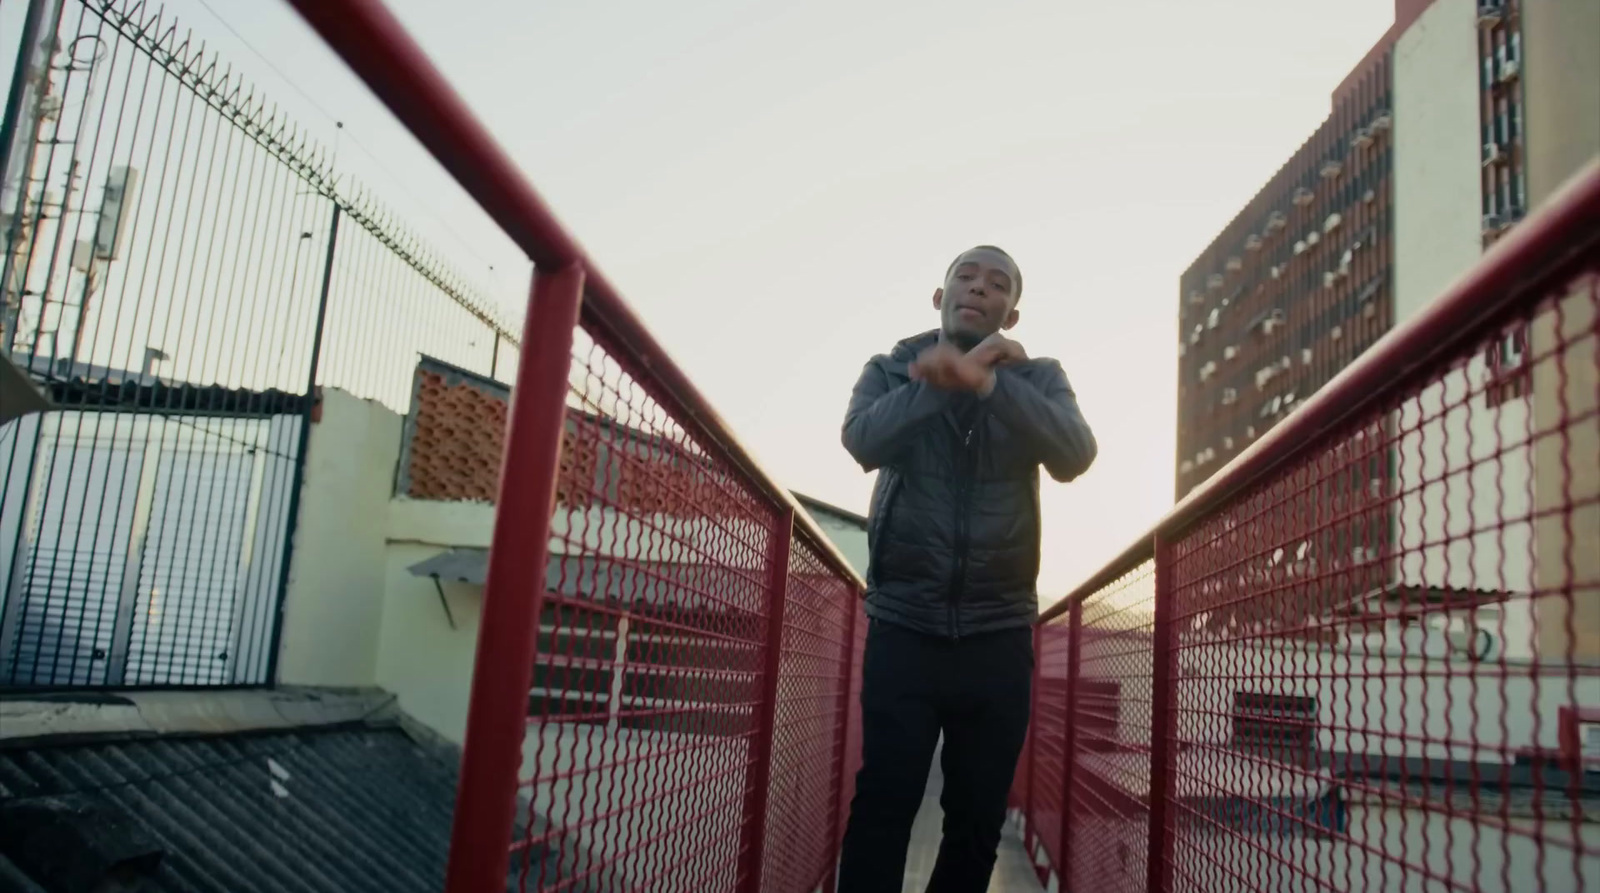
<point x="979" y="297"/>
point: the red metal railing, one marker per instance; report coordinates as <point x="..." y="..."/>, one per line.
<point x="661" y="698"/>
<point x="1366" y="654"/>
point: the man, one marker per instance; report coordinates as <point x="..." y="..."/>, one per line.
<point x="957" y="423"/>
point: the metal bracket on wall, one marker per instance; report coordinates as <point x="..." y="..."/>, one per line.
<point x="444" y="602"/>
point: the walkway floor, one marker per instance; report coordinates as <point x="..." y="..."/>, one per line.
<point x="1012" y="874"/>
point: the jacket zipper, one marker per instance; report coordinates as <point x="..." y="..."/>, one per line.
<point x="964" y="490"/>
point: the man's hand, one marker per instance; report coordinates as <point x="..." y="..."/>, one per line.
<point x="949" y="369"/>
<point x="946" y="367"/>
<point x="998" y="350"/>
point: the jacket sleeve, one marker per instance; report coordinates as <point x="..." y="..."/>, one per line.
<point x="1046" y="416"/>
<point x="882" y="419"/>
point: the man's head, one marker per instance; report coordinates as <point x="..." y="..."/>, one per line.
<point x="979" y="297"/>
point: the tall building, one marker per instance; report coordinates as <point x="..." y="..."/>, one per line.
<point x="1465" y="117"/>
<point x="1320" y="264"/>
<point x="1297" y="285"/>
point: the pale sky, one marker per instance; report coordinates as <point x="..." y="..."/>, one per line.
<point x="777" y="188"/>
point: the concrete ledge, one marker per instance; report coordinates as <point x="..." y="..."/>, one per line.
<point x="441" y="523"/>
<point x="31" y="718"/>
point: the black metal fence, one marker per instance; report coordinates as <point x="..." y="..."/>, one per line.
<point x="181" y="274"/>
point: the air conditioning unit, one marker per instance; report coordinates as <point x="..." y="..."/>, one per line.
<point x="1382" y="123"/>
<point x="1230" y="352"/>
<point x="1234" y="264"/>
<point x="1183" y="350"/>
<point x="1300" y="247"/>
<point x="1331" y="169"/>
<point x="1329" y="277"/>
<point x="1252" y="242"/>
<point x="1197" y="297"/>
<point x="1214" y="317"/>
<point x="1276" y="221"/>
<point x="1494" y="223"/>
<point x="1250" y="431"/>
<point x="1490" y="13"/>
<point x="1369" y="196"/>
<point x="1509" y="70"/>
<point x="1186" y="467"/>
<point x="1303" y="197"/>
<point x="1305" y="355"/>
<point x="1362" y="138"/>
<point x="1332" y="223"/>
<point x="1214" y="280"/>
<point x="1276" y="271"/>
<point x="1312" y="238"/>
<point x="1230" y="396"/>
<point x="1337" y="333"/>
<point x="1208" y="370"/>
<point x="1493" y="154"/>
<point x="1227" y="443"/>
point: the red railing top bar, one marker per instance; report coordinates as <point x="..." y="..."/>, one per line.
<point x="368" y="37"/>
<point x="1479" y="299"/>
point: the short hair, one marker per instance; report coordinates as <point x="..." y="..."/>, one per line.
<point x="997" y="250"/>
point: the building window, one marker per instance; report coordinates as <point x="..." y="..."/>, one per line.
<point x="1276" y="722"/>
<point x="1508" y="368"/>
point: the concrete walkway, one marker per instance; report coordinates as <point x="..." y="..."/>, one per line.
<point x="1012" y="874"/>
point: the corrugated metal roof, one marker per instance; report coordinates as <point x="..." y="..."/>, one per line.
<point x="348" y="809"/>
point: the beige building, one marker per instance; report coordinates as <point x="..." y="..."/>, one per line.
<point x="1496" y="105"/>
<point x="1563" y="126"/>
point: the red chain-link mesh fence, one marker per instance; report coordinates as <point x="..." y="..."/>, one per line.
<point x="1366" y="656"/>
<point x="667" y="662"/>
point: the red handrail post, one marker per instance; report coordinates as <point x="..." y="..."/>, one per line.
<point x="758" y="775"/>
<point x="1162" y="706"/>
<point x="502" y="675"/>
<point x="1029" y="832"/>
<point x="1069" y="741"/>
<point x="840" y="807"/>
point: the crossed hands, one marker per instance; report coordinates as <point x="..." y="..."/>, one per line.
<point x="946" y="367"/>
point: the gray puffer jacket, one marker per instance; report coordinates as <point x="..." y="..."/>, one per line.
<point x="954" y="525"/>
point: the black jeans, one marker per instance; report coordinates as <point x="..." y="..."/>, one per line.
<point x="975" y="690"/>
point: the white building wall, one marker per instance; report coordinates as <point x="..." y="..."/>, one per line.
<point x="425" y="655"/>
<point x="336" y="577"/>
<point x="1463" y="466"/>
<point x="1437" y="154"/>
<point x="1376" y="696"/>
<point x="1562" y="85"/>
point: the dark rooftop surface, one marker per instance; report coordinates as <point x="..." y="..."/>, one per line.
<point x="351" y="808"/>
